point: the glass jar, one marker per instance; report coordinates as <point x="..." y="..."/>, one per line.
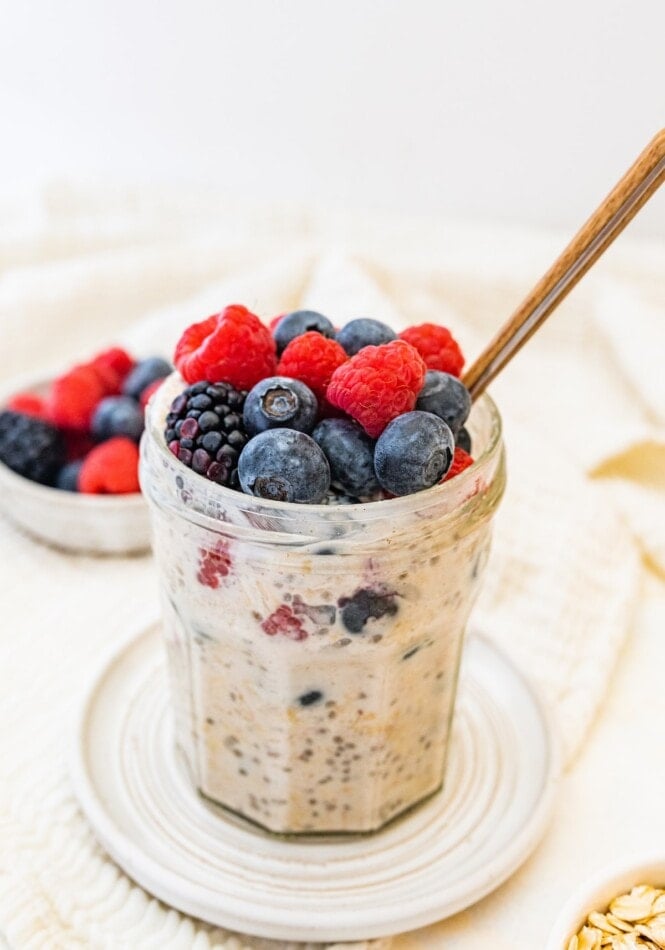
<point x="313" y="650"/>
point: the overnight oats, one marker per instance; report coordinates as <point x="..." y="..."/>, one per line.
<point x="314" y="604"/>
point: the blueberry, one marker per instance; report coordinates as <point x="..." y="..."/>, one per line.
<point x="364" y="332"/>
<point x="350" y="454"/>
<point x="117" y="415"/>
<point x="413" y="452"/>
<point x="447" y="397"/>
<point x="463" y="439"/>
<point x="366" y="604"/>
<point x="146" y="372"/>
<point x="68" y="477"/>
<point x="284" y="465"/>
<point x="300" y="321"/>
<point x="280" y="402"/>
<point x="310" y="698"/>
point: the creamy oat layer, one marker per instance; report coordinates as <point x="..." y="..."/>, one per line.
<point x="314" y="692"/>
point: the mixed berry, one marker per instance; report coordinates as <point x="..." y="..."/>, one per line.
<point x="303" y="412"/>
<point x="82" y="435"/>
<point x="204" y="430"/>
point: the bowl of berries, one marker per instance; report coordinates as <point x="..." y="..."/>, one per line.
<point x="69" y="453"/>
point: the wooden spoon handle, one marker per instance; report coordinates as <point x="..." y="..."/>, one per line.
<point x="639" y="183"/>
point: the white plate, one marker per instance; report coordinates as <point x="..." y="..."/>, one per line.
<point x="442" y="857"/>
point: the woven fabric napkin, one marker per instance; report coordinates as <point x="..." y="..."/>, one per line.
<point x="584" y="510"/>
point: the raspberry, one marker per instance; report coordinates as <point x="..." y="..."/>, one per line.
<point x="461" y="460"/>
<point x="112" y="366"/>
<point x="378" y="384"/>
<point x="437" y="347"/>
<point x="116" y="359"/>
<point x="111" y="468"/>
<point x="312" y="358"/>
<point x="74" y="396"/>
<point x="284" y="621"/>
<point x="214" y="565"/>
<point x="275" y="320"/>
<point x="30" y="404"/>
<point x="232" y="346"/>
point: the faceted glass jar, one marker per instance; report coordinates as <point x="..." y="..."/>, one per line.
<point x="313" y="650"/>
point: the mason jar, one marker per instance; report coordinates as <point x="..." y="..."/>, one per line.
<point x="313" y="650"/>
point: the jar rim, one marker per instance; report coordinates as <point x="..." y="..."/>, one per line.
<point x="459" y="486"/>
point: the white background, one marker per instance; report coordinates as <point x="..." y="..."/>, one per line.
<point x="510" y="110"/>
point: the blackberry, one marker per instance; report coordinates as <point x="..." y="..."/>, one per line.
<point x="31" y="447"/>
<point x="205" y="431"/>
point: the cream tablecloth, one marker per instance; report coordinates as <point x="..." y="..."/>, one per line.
<point x="574" y="590"/>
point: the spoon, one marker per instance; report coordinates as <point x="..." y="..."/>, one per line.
<point x="639" y="183"/>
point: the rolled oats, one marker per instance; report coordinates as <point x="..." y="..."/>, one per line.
<point x="633" y="921"/>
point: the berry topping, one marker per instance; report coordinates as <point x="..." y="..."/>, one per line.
<point x="68" y="477"/>
<point x="144" y="373"/>
<point x="350" y="454"/>
<point x="280" y="402"/>
<point x="204" y="430"/>
<point x="312" y="359"/>
<point x="461" y="461"/>
<point x="117" y="415"/>
<point x="447" y="397"/>
<point x="284" y="621"/>
<point x="366" y="604"/>
<point x="364" y="332"/>
<point x="30" y="447"/>
<point x="295" y="324"/>
<point x="74" y="397"/>
<point x="284" y="465"/>
<point x="414" y="452"/>
<point x="311" y="698"/>
<point x="378" y="384"/>
<point x="437" y="347"/>
<point x="214" y="565"/>
<point x="233" y="346"/>
<point x="30" y="404"/>
<point x="111" y="468"/>
<point x="112" y="366"/>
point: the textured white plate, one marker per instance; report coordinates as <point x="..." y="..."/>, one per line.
<point x="439" y="859"/>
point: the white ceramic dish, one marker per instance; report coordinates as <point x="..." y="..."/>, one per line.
<point x="597" y="892"/>
<point x="442" y="857"/>
<point x="93" y="524"/>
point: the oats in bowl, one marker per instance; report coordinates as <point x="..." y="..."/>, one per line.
<point x="632" y="920"/>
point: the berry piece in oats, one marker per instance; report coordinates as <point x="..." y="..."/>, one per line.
<point x="366" y="604"/>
